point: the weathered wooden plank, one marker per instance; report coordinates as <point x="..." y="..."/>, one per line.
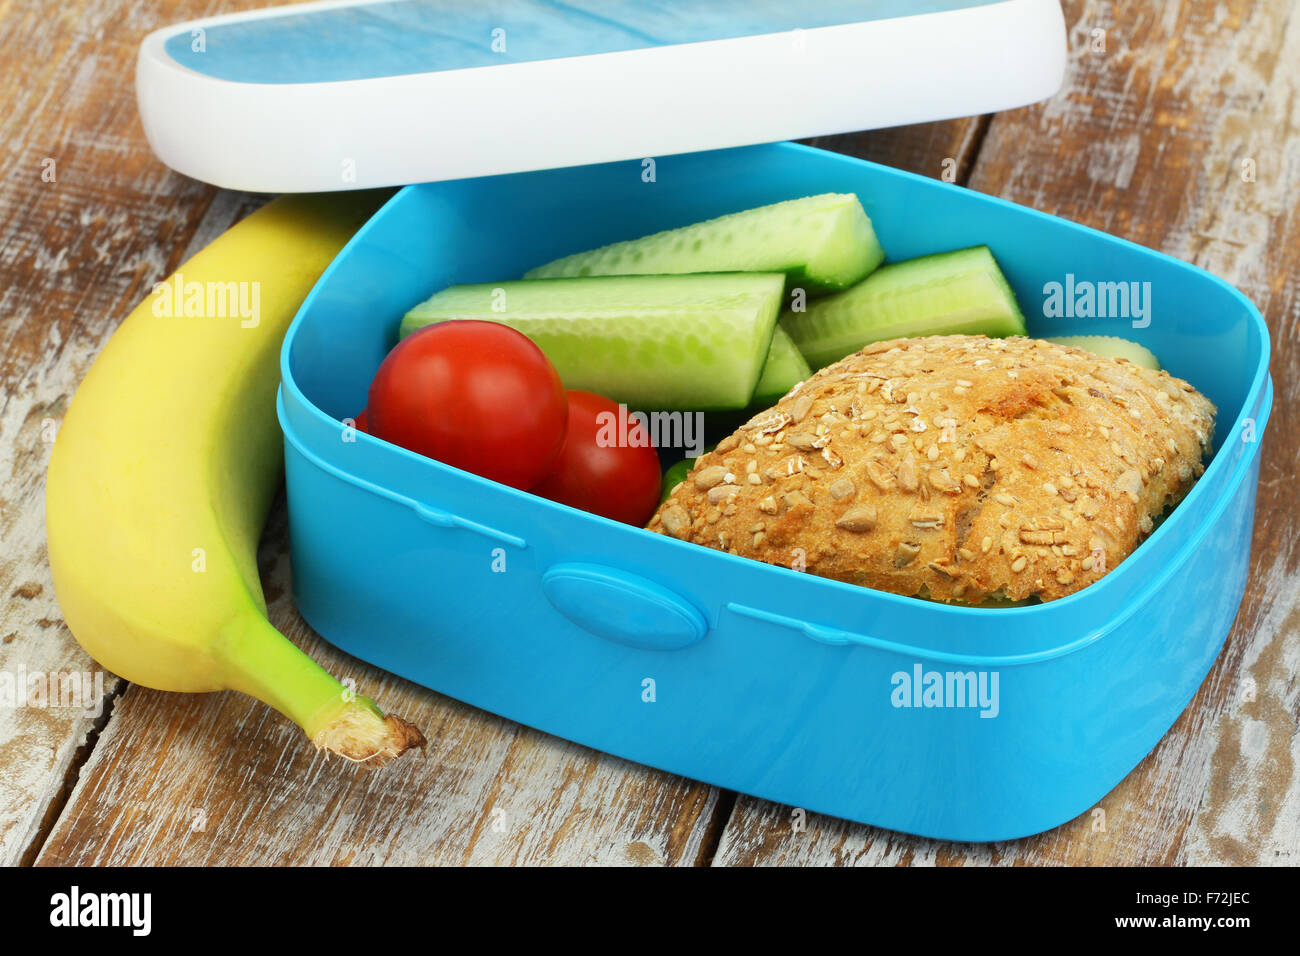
<point x="87" y="220"/>
<point x="1149" y="139"/>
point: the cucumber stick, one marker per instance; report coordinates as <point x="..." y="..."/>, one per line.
<point x="784" y="369"/>
<point x="676" y="473"/>
<point x="942" y="294"/>
<point x="681" y="342"/>
<point x="674" y="476"/>
<point x="822" y="243"/>
<point x="1111" y="346"/>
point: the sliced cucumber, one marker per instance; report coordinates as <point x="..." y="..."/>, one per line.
<point x="822" y="243"/>
<point x="784" y="369"/>
<point x="1111" y="346"/>
<point x="683" y="342"/>
<point x="942" y="294"/>
<point x="674" y="475"/>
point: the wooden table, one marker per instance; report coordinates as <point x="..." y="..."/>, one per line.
<point x="1165" y="106"/>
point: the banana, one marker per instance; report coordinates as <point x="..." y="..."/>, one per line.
<point x="164" y="469"/>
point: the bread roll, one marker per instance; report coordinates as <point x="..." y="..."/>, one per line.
<point x="956" y="468"/>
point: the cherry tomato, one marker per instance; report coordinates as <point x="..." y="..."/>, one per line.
<point x="607" y="465"/>
<point x="476" y="395"/>
<point x="359" y="423"/>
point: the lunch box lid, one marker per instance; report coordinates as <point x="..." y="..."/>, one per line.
<point x="360" y="93"/>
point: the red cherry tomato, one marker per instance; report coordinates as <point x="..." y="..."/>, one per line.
<point x="359" y="423"/>
<point x="476" y="395"/>
<point x="605" y="467"/>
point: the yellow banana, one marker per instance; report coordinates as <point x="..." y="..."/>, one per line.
<point x="165" y="467"/>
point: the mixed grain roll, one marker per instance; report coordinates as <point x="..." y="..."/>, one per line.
<point x="956" y="468"/>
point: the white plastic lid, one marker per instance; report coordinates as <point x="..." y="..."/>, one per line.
<point x="360" y="93"/>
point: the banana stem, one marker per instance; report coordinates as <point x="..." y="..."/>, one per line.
<point x="258" y="660"/>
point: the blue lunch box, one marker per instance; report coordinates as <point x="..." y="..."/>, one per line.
<point x="946" y="722"/>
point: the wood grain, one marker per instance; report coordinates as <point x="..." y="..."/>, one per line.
<point x="1147" y="140"/>
<point x="87" y="220"/>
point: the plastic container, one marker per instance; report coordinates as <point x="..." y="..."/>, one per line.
<point x="748" y="676"/>
<point x="346" y="94"/>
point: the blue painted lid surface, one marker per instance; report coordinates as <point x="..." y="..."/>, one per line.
<point x="401" y="37"/>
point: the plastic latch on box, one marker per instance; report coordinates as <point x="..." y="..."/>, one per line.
<point x="623" y="607"/>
